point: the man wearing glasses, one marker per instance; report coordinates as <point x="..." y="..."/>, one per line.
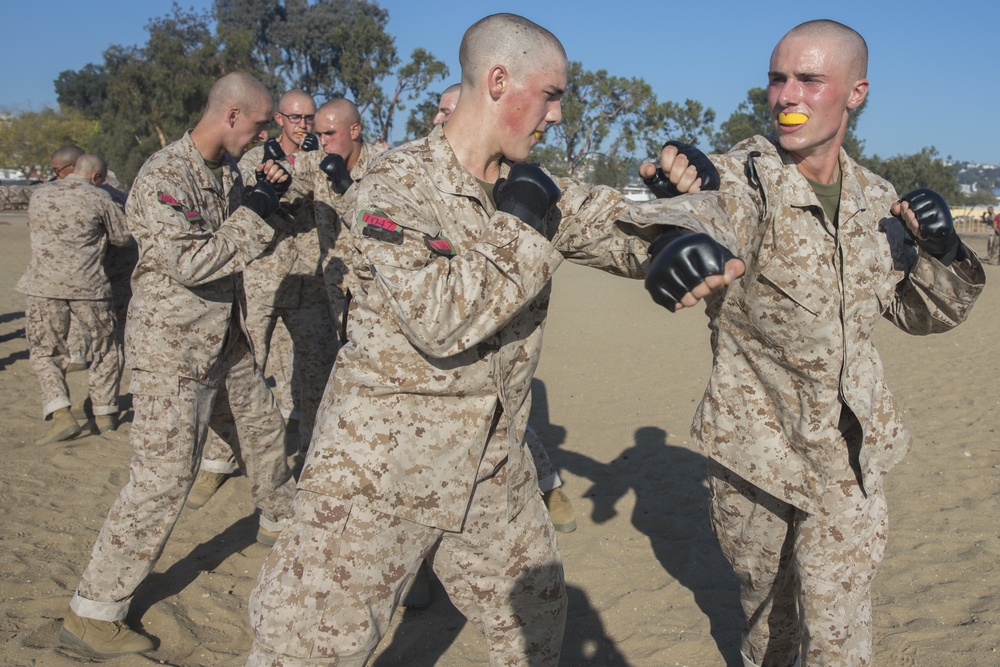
<point x="284" y="285"/>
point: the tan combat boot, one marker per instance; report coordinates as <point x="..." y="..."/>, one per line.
<point x="204" y="487"/>
<point x="105" y="423"/>
<point x="105" y="638"/>
<point x="64" y="427"/>
<point x="560" y="510"/>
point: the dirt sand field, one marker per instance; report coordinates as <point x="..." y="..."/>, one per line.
<point x="613" y="400"/>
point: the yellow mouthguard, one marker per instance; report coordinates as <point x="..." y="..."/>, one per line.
<point x="792" y="118"/>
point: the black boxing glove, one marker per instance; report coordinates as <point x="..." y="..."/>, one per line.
<point x="272" y="151"/>
<point x="940" y="239"/>
<point x="264" y="197"/>
<point x="529" y="194"/>
<point x="310" y="142"/>
<point x="337" y="173"/>
<point x="661" y="186"/>
<point x="683" y="265"/>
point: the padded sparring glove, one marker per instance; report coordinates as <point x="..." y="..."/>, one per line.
<point x="309" y="143"/>
<point x="337" y="173"/>
<point x="683" y="265"/>
<point x="263" y="198"/>
<point x="272" y="151"/>
<point x="936" y="226"/>
<point x="660" y="184"/>
<point x="529" y="194"/>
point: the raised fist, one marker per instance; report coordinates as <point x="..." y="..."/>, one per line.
<point x="529" y="194"/>
<point x="683" y="265"/>
<point x="309" y="143"/>
<point x="272" y="151"/>
<point x="663" y="188"/>
<point x="337" y="173"/>
<point x="937" y="230"/>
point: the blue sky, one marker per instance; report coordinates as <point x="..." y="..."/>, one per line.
<point x="934" y="70"/>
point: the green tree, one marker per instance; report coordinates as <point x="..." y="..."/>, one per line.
<point x="689" y="122"/>
<point x="752" y="116"/>
<point x="145" y="97"/>
<point x="331" y="48"/>
<point x="29" y="138"/>
<point x="421" y="119"/>
<point x="600" y="114"/>
<point x="921" y="170"/>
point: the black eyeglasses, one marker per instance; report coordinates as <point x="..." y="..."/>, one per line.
<point x="58" y="170"/>
<point x="298" y="118"/>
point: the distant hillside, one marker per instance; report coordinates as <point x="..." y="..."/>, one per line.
<point x="981" y="176"/>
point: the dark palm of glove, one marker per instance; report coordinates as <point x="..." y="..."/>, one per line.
<point x="529" y="194"/>
<point x="936" y="225"/>
<point x="272" y="151"/>
<point x="337" y="173"/>
<point x="264" y="197"/>
<point x="309" y="143"/>
<point x="709" y="175"/>
<point x="683" y="265"/>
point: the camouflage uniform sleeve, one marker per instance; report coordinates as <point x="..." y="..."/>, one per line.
<point x="731" y="215"/>
<point x="594" y="230"/>
<point x="177" y="240"/>
<point x="444" y="304"/>
<point x="114" y="223"/>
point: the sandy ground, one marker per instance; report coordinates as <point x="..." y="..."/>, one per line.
<point x="618" y="383"/>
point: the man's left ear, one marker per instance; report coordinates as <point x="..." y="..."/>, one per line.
<point x="234" y="113"/>
<point x="858" y="94"/>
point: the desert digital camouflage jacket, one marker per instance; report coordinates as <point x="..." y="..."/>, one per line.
<point x="333" y="215"/>
<point x="792" y="337"/>
<point x="70" y="222"/>
<point x="445" y="333"/>
<point x="194" y="241"/>
<point x="291" y="267"/>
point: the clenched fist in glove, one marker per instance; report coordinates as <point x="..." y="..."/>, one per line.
<point x="936" y="233"/>
<point x="663" y="187"/>
<point x="272" y="182"/>
<point x="309" y="143"/>
<point x="337" y="173"/>
<point x="687" y="262"/>
<point x="529" y="194"/>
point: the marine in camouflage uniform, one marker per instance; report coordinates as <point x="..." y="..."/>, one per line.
<point x="192" y="364"/>
<point x="419" y="450"/>
<point x="71" y="222"/>
<point x="797" y="419"/>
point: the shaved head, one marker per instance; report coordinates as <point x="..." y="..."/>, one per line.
<point x="295" y="95"/>
<point x="344" y="110"/>
<point x="505" y="39"/>
<point x="852" y="45"/>
<point x="66" y="155"/>
<point x="88" y="165"/>
<point x="239" y="90"/>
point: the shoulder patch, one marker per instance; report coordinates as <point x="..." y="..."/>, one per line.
<point x="377" y="225"/>
<point x="190" y="214"/>
<point x="440" y="245"/>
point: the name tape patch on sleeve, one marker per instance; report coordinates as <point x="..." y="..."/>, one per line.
<point x="377" y="225"/>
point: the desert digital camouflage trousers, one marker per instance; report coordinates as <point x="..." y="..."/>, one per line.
<point x="47" y="326"/>
<point x="548" y="476"/>
<point x="805" y="579"/>
<point x="303" y="367"/>
<point x="329" y="586"/>
<point x="172" y="419"/>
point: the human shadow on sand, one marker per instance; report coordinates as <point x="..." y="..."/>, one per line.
<point x="671" y="509"/>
